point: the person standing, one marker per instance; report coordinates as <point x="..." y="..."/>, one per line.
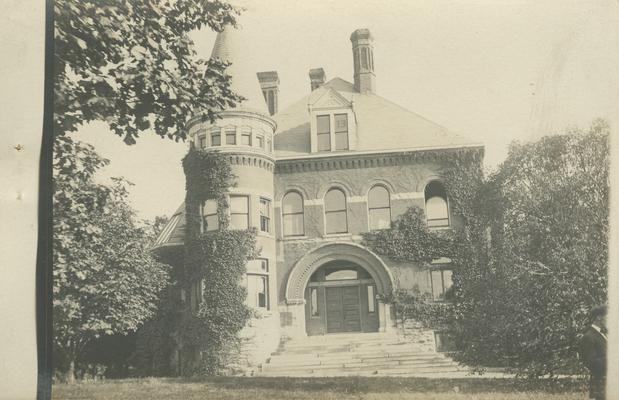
<point x="592" y="352"/>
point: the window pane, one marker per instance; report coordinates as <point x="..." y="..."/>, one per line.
<point x="378" y="197"/>
<point x="230" y="137"/>
<point x="239" y="204"/>
<point x="211" y="222"/>
<point x="323" y="125"/>
<point x="371" y="300"/>
<point x="269" y="146"/>
<point x="262" y="291"/>
<point x="336" y="222"/>
<point x="436" y="209"/>
<point x="293" y="225"/>
<point x="437" y="284"/>
<point x="380" y="218"/>
<point x="342" y="274"/>
<point x="265" y="207"/>
<point x="314" y="301"/>
<point x="335" y="200"/>
<point x="341" y="123"/>
<point x="293" y="203"/>
<point x="324" y="142"/>
<point x="202" y="141"/>
<point x="239" y="221"/>
<point x="447" y="281"/>
<point x="246" y="139"/>
<point x="210" y="207"/>
<point x="215" y="139"/>
<point x="341" y="141"/>
<point x="260" y="141"/>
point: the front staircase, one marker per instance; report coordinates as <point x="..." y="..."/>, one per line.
<point x="361" y="354"/>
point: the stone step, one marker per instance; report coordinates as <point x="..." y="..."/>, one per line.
<point x="376" y="364"/>
<point x="361" y="356"/>
<point x="404" y="370"/>
<point x="327" y="348"/>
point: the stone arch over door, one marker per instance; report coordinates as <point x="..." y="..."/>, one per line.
<point x="338" y="251"/>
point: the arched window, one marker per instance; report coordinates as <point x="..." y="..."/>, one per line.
<point x="379" y="208"/>
<point x="292" y="214"/>
<point x="437" y="211"/>
<point x="335" y="211"/>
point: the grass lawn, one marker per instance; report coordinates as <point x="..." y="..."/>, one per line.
<point x="344" y="388"/>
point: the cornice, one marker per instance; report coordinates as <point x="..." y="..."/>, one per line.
<point x="235" y="113"/>
<point x="353" y="160"/>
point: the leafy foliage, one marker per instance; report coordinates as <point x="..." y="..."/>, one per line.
<point x="549" y="254"/>
<point x="219" y="259"/>
<point x="133" y="65"/>
<point x="105" y="280"/>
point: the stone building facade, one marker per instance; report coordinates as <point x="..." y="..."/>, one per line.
<point x="312" y="178"/>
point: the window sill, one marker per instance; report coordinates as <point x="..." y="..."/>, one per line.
<point x="265" y="234"/>
<point x="293" y="238"/>
<point x="337" y="235"/>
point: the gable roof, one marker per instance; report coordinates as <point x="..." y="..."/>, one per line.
<point x="381" y="125"/>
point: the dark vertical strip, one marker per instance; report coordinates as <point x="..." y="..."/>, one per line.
<point x="44" y="246"/>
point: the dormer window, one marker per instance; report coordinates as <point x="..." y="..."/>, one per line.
<point x="341" y="131"/>
<point x="323" y="132"/>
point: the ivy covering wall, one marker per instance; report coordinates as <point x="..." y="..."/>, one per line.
<point x="209" y="335"/>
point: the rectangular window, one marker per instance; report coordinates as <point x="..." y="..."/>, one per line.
<point x="323" y="132"/>
<point x="341" y="132"/>
<point x="239" y="212"/>
<point x="258" y="291"/>
<point x="269" y="146"/>
<point x="202" y="141"/>
<point x="216" y="138"/>
<point x="441" y="281"/>
<point x="371" y="299"/>
<point x="246" y="137"/>
<point x="265" y="215"/>
<point x="260" y="141"/>
<point x="210" y="216"/>
<point x="231" y="137"/>
<point x="314" y="302"/>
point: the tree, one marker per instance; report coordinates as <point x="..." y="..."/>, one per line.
<point x="133" y="65"/>
<point x="105" y="280"/>
<point x="548" y="262"/>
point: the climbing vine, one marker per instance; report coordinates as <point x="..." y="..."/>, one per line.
<point x="218" y="259"/>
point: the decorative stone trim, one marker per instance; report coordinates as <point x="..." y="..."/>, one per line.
<point x="235" y="113"/>
<point x="255" y="160"/>
<point x="356" y="160"/>
<point x="308" y="264"/>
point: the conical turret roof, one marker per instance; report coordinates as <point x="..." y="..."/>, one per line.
<point x="231" y="46"/>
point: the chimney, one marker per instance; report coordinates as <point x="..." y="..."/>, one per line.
<point x="363" y="58"/>
<point x="317" y="77"/>
<point x="269" y="82"/>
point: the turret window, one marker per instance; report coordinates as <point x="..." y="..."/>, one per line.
<point x="210" y="217"/>
<point x="231" y="136"/>
<point x="258" y="283"/>
<point x="216" y="137"/>
<point x="265" y="215"/>
<point x="246" y="136"/>
<point x="323" y="130"/>
<point x="260" y="141"/>
<point x="202" y="141"/>
<point x="239" y="212"/>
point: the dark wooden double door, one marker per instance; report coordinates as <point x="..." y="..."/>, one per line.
<point x="343" y="309"/>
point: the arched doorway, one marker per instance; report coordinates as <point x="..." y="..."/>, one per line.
<point x="341" y="297"/>
<point x="329" y="290"/>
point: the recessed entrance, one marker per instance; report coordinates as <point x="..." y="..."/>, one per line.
<point x="341" y="297"/>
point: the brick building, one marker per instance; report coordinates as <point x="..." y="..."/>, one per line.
<point x="312" y="178"/>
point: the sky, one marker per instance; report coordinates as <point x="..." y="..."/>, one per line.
<point x="492" y="71"/>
